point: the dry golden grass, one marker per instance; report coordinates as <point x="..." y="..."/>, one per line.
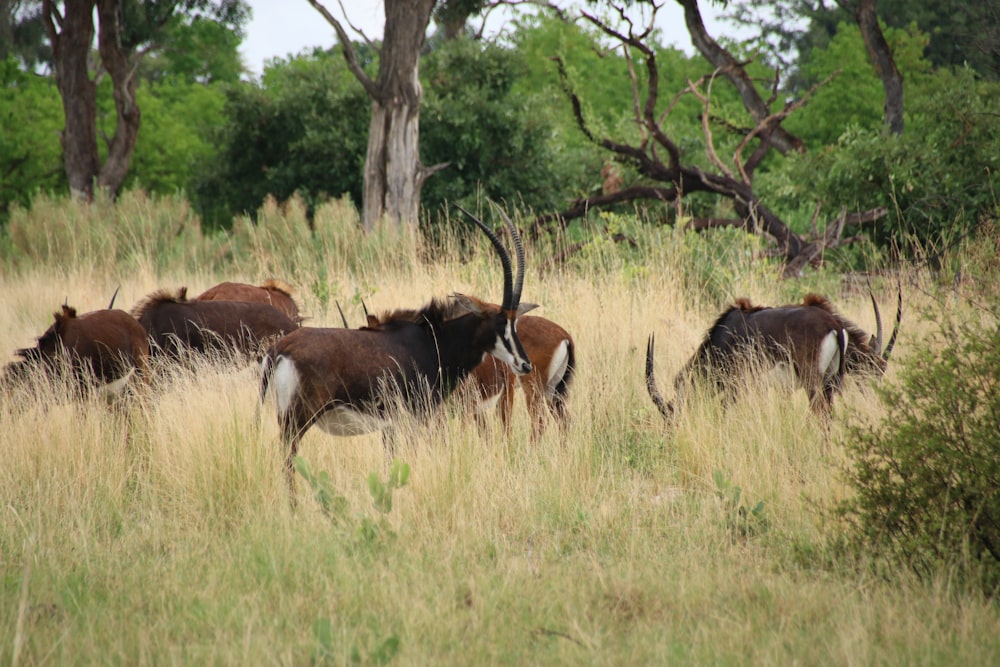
<point x="162" y="533"/>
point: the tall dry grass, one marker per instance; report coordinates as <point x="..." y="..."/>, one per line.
<point x="161" y="533"/>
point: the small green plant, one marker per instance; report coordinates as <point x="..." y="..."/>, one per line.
<point x="333" y="504"/>
<point x="743" y="522"/>
<point x="369" y="532"/>
<point x="927" y="475"/>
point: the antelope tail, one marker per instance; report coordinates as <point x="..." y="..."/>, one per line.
<point x="665" y="409"/>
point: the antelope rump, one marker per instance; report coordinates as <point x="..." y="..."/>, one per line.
<point x="820" y="345"/>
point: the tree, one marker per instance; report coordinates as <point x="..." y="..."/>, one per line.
<point x="393" y="174"/>
<point x="667" y="171"/>
<point x="881" y="58"/>
<point x="126" y="31"/>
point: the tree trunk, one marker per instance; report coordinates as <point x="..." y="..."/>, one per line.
<point x="71" y="36"/>
<point x="116" y="61"/>
<point x="393" y="174"/>
<point x="880" y="56"/>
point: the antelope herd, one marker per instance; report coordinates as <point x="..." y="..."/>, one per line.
<point x="352" y="381"/>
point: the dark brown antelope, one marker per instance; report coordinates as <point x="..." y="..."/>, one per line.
<point x="101" y="349"/>
<point x="272" y="292"/>
<point x="553" y="361"/>
<point x="175" y="324"/>
<point x="350" y="381"/>
<point x="820" y="345"/>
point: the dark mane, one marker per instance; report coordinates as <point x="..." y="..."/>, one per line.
<point x="434" y="313"/>
<point x="159" y="296"/>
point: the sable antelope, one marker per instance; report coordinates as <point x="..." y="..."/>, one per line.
<point x="349" y="381"/>
<point x="553" y="361"/>
<point x="102" y="347"/>
<point x="175" y="324"/>
<point x="272" y="292"/>
<point x="821" y="346"/>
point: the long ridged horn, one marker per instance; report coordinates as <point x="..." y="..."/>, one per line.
<point x="654" y="393"/>
<point x="876" y="343"/>
<point x="508" y="272"/>
<point x="519" y="251"/>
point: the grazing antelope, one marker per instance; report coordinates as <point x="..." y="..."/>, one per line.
<point x="272" y="292"/>
<point x="175" y="324"/>
<point x="553" y="361"/>
<point x="102" y="348"/>
<point x="348" y="381"/>
<point x="821" y="345"/>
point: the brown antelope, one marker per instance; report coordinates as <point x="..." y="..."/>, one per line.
<point x="821" y="346"/>
<point x="553" y="361"/>
<point x="349" y="381"/>
<point x="272" y="292"/>
<point x="175" y="324"/>
<point x="103" y="348"/>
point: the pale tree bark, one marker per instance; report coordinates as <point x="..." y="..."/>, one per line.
<point x="393" y="173"/>
<point x="71" y="35"/>
<point x="881" y="59"/>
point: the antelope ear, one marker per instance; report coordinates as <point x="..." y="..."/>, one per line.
<point x="523" y="308"/>
<point x="468" y="303"/>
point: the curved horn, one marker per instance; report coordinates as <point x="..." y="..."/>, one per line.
<point x="508" y="273"/>
<point x="895" y="327"/>
<point x="654" y="393"/>
<point x="877" y="343"/>
<point x="519" y="251"/>
<point x="342" y="318"/>
<point x="113" y="297"/>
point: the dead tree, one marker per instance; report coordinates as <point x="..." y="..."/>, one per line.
<point x="667" y="175"/>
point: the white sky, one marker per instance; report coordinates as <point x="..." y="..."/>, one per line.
<point x="280" y="28"/>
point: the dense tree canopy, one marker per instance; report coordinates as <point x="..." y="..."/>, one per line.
<point x="498" y="116"/>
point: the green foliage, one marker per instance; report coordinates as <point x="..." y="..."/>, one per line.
<point x="195" y="49"/>
<point x="369" y="534"/>
<point x="303" y="129"/>
<point x="937" y="179"/>
<point x="31" y="118"/>
<point x="742" y="521"/>
<point x="176" y="137"/>
<point x="498" y="144"/>
<point x="927" y="475"/>
<point x="825" y="117"/>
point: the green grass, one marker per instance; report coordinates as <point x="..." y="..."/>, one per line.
<point x="164" y="535"/>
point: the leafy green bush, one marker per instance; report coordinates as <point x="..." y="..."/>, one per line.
<point x="927" y="476"/>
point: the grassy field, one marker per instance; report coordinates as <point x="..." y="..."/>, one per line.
<point x="162" y="534"/>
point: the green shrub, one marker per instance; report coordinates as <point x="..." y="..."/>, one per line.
<point x="927" y="476"/>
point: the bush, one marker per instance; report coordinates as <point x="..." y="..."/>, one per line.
<point x="927" y="477"/>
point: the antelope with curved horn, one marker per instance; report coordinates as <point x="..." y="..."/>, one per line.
<point x="552" y="354"/>
<point x="348" y="381"/>
<point x="100" y="349"/>
<point x="175" y="324"/>
<point x="821" y="345"/>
